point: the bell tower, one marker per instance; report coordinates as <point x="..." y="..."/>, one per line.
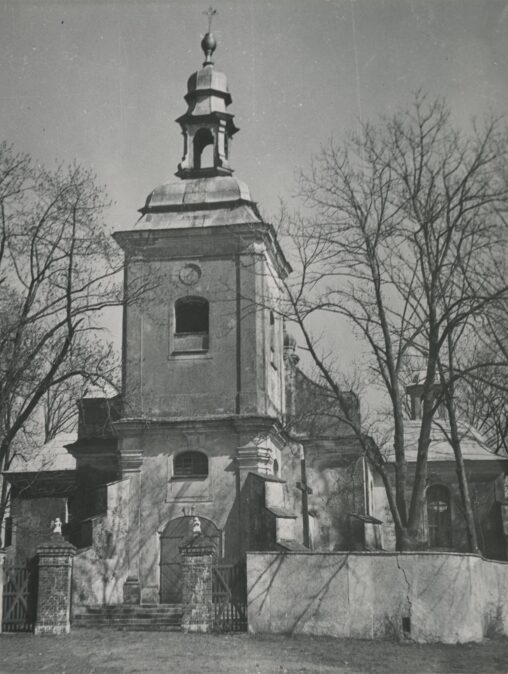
<point x="207" y="338"/>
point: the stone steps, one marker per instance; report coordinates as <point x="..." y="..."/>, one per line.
<point x="129" y="627"/>
<point x="140" y="613"/>
<point x="155" y="617"/>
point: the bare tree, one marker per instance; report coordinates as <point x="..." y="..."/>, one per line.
<point x="58" y="272"/>
<point x="406" y="224"/>
<point x="484" y="391"/>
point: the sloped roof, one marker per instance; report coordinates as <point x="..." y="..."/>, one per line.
<point x="213" y="201"/>
<point x="473" y="445"/>
<point x="49" y="457"/>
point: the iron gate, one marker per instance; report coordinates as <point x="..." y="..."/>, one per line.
<point x="19" y="597"/>
<point x="229" y="596"/>
<point x="171" y="562"/>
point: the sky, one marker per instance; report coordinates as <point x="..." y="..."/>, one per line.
<point x="102" y="82"/>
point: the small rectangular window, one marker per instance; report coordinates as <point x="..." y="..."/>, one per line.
<point x="190" y="465"/>
<point x="191" y="325"/>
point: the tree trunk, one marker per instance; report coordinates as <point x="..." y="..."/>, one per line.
<point x="405" y="540"/>
<point x="462" y="478"/>
<point x="457" y="450"/>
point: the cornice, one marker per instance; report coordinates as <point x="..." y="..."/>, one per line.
<point x="160" y="243"/>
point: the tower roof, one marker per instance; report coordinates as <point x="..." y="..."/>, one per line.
<point x="203" y="195"/>
<point x="199" y="202"/>
<point x="208" y="82"/>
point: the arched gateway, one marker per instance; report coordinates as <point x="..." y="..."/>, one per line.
<point x="171" y="562"/>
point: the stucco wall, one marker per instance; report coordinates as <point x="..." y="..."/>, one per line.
<point x="237" y="368"/>
<point x="159" y="498"/>
<point x="99" y="572"/>
<point x="160" y="382"/>
<point x="335" y="476"/>
<point x="163" y="499"/>
<point x="448" y="597"/>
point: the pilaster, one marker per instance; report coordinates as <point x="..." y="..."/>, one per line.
<point x="131" y="461"/>
<point x="132" y="589"/>
<point x="257" y="436"/>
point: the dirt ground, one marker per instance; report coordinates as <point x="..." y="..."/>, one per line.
<point x="88" y="651"/>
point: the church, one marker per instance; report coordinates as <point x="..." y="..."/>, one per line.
<point x="209" y="422"/>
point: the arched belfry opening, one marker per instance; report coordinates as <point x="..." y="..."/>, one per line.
<point x="204" y="150"/>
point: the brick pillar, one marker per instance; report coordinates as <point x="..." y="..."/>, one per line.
<point x="197" y="558"/>
<point x="54" y="586"/>
<point x="2" y="558"/>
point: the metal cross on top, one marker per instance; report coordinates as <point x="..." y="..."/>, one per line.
<point x="210" y="13"/>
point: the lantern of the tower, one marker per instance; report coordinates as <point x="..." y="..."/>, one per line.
<point x="206" y="121"/>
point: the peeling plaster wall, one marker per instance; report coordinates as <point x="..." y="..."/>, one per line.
<point x="447" y="597"/>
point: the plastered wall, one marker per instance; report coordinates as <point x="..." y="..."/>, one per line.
<point x="428" y="597"/>
<point x="99" y="572"/>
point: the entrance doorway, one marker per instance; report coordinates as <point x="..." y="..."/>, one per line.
<point x="171" y="562"/>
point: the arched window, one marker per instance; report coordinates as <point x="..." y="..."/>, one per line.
<point x="276" y="468"/>
<point x="202" y="139"/>
<point x="439" y="516"/>
<point x="191" y="324"/>
<point x="190" y="466"/>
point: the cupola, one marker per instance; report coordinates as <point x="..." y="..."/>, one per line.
<point x="206" y="122"/>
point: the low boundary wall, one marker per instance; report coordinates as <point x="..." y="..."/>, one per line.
<point x="427" y="597"/>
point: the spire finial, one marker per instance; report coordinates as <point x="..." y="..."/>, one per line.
<point x="209" y="43"/>
<point x="210" y="14"/>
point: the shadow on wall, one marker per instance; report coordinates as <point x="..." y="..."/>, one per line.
<point x="426" y="597"/>
<point x="99" y="571"/>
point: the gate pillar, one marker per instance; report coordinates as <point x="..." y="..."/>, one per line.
<point x="54" y="591"/>
<point x="197" y="558"/>
<point x="2" y="557"/>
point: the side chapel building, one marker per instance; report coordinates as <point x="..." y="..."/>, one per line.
<point x="210" y="380"/>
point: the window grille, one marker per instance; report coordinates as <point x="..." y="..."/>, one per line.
<point x="190" y="465"/>
<point x="439" y="516"/>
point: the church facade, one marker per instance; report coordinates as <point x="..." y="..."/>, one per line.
<point x="210" y="380"/>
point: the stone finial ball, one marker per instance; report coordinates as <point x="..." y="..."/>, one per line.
<point x="208" y="44"/>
